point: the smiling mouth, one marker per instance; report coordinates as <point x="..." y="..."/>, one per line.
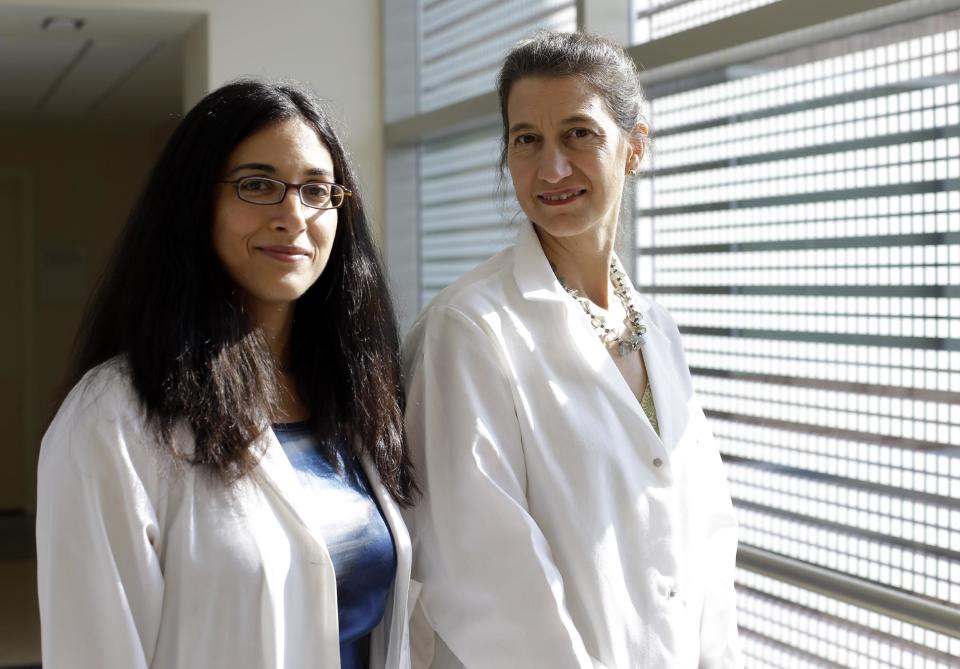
<point x="561" y="198"/>
<point x="288" y="254"/>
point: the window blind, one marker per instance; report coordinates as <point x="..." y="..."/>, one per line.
<point x="801" y="221"/>
<point x="463" y="43"/>
<point x="653" y="19"/>
<point x="461" y="220"/>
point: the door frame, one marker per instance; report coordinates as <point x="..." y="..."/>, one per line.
<point x="23" y="180"/>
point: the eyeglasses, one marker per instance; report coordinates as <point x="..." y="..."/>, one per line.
<point x="315" y="194"/>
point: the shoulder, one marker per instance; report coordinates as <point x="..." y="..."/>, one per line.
<point x="104" y="391"/>
<point x="100" y="421"/>
<point x="490" y="282"/>
<point x="487" y="287"/>
<point x="455" y="328"/>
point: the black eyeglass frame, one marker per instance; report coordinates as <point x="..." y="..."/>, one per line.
<point x="286" y="185"/>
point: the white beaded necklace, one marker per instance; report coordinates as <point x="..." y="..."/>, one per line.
<point x="634" y="339"/>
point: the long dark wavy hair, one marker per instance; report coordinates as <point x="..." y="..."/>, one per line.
<point x="167" y="305"/>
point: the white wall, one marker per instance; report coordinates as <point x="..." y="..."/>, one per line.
<point x="333" y="46"/>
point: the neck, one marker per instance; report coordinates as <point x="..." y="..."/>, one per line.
<point x="275" y="320"/>
<point x="582" y="261"/>
<point x="276" y="323"/>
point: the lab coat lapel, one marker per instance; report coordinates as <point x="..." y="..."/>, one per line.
<point x="281" y="480"/>
<point x="666" y="385"/>
<point x="537" y="282"/>
<point x="395" y="619"/>
<point x="608" y="376"/>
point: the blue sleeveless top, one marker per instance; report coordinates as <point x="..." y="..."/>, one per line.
<point x="355" y="531"/>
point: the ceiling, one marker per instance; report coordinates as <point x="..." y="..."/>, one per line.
<point x="121" y="67"/>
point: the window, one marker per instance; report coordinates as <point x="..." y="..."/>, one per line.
<point x="801" y="221"/>
<point x="462" y="43"/>
<point x="800" y="217"/>
<point x="653" y="19"/>
<point x="461" y="224"/>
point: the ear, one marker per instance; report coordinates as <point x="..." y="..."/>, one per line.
<point x="638" y="146"/>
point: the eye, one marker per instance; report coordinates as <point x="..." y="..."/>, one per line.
<point x="319" y="194"/>
<point x="260" y="190"/>
<point x="317" y="190"/>
<point x="524" y="140"/>
<point x="582" y="133"/>
<point x="257" y="185"/>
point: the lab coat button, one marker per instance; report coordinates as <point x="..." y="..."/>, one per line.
<point x="657" y="462"/>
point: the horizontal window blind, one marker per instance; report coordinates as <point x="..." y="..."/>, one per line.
<point x="801" y="221"/>
<point x="462" y="44"/>
<point x="653" y="19"/>
<point x="462" y="222"/>
<point x="786" y="626"/>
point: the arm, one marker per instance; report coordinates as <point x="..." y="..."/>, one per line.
<point x="491" y="590"/>
<point x="99" y="579"/>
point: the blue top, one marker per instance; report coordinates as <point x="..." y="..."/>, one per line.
<point x="355" y="531"/>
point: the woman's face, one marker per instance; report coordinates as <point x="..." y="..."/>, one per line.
<point x="567" y="157"/>
<point x="275" y="252"/>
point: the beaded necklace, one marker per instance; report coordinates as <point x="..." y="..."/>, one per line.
<point x="631" y="341"/>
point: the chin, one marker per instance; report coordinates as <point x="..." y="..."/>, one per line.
<point x="563" y="226"/>
<point x="278" y="297"/>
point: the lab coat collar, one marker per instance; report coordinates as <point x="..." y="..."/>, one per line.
<point x="532" y="270"/>
<point x="535" y="277"/>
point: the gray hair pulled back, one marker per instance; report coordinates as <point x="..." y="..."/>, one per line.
<point x="596" y="60"/>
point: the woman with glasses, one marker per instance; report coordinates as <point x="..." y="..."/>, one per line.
<point x="575" y="512"/>
<point x="221" y="486"/>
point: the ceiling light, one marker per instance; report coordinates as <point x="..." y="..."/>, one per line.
<point x="62" y="24"/>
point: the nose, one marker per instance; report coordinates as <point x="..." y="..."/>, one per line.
<point x="290" y="214"/>
<point x="554" y="165"/>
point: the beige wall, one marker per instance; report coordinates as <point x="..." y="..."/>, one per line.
<point x="72" y="191"/>
<point x="15" y="304"/>
<point x="333" y="46"/>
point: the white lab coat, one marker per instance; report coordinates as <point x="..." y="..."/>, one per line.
<point x="557" y="530"/>
<point x="144" y="563"/>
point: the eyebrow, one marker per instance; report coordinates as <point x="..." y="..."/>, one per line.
<point x="520" y="126"/>
<point x="579" y="118"/>
<point x="576" y="118"/>
<point x="270" y="169"/>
